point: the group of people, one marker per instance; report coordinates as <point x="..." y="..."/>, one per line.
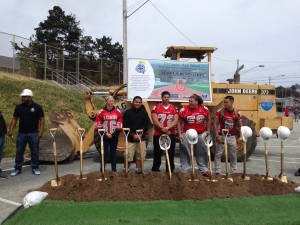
<point x="295" y="110"/>
<point x="167" y="119"/>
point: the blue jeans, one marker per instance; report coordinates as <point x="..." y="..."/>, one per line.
<point x="33" y="142"/>
<point x="110" y="143"/>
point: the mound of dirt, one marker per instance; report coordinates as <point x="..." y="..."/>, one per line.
<point x="157" y="186"/>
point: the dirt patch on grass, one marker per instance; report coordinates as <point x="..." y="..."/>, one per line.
<point x="157" y="186"/>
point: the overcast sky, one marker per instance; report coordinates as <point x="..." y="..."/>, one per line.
<point x="257" y="32"/>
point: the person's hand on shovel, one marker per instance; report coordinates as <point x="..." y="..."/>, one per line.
<point x="219" y="139"/>
<point x="135" y="137"/>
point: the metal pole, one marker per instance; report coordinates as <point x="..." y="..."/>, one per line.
<point x="269" y="80"/>
<point x="77" y="67"/>
<point x="282" y="96"/>
<point x="14" y="40"/>
<point x="63" y="65"/>
<point x="125" y="57"/>
<point x="101" y="71"/>
<point x="45" y="66"/>
<point x="119" y="74"/>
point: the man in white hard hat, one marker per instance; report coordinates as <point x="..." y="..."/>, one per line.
<point x="31" y="129"/>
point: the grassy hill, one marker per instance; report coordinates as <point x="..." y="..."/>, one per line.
<point x="51" y="98"/>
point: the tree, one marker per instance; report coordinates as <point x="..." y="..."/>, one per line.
<point x="66" y="44"/>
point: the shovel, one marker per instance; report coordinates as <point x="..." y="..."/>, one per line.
<point x="81" y="133"/>
<point x="101" y="132"/>
<point x="208" y="143"/>
<point x="280" y="176"/>
<point x="244" y="177"/>
<point x="57" y="181"/>
<point x="225" y="133"/>
<point x="126" y="133"/>
<point x="267" y="164"/>
<point x="140" y="134"/>
<point x="193" y="166"/>
<point x="165" y="143"/>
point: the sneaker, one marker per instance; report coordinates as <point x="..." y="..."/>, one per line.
<point x="3" y="176"/>
<point x="36" y="171"/>
<point x="207" y="174"/>
<point x="15" y="173"/>
<point x="138" y="171"/>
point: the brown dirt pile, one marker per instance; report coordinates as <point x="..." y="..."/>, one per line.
<point x="156" y="186"/>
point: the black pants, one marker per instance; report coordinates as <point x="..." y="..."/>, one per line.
<point x="158" y="153"/>
<point x="108" y="143"/>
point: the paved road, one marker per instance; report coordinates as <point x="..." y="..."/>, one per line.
<point x="13" y="189"/>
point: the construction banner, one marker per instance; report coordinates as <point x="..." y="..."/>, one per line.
<point x="149" y="78"/>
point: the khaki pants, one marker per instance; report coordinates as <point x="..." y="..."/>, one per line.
<point x="232" y="151"/>
<point x="134" y="151"/>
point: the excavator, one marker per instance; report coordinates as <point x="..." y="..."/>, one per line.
<point x="257" y="104"/>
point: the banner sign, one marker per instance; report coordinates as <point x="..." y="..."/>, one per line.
<point x="149" y="78"/>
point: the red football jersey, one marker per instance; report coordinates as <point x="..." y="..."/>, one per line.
<point x="109" y="120"/>
<point x="228" y="120"/>
<point x="194" y="118"/>
<point x="165" y="116"/>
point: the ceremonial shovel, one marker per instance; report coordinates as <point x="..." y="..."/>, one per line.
<point x="101" y="132"/>
<point x="81" y="133"/>
<point x="208" y="143"/>
<point x="225" y="133"/>
<point x="57" y="181"/>
<point x="283" y="133"/>
<point x="139" y="133"/>
<point x="265" y="134"/>
<point x="165" y="143"/>
<point x="126" y="132"/>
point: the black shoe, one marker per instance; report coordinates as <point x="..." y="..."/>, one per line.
<point x="297" y="174"/>
<point x="3" y="176"/>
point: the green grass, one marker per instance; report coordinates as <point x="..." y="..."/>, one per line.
<point x="202" y="88"/>
<point x="51" y="98"/>
<point x="283" y="209"/>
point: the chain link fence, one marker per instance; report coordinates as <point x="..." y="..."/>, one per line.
<point x="57" y="64"/>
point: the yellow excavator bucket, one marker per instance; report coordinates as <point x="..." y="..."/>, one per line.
<point x="67" y="138"/>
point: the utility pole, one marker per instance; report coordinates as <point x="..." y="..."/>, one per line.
<point x="45" y="64"/>
<point x="125" y="57"/>
<point x="269" y="80"/>
<point x="14" y="53"/>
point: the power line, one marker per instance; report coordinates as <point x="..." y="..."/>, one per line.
<point x="173" y="25"/>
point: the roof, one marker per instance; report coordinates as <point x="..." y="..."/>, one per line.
<point x="189" y="52"/>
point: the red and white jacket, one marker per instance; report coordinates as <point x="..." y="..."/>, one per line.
<point x="110" y="120"/>
<point x="165" y="116"/>
<point x="194" y="118"/>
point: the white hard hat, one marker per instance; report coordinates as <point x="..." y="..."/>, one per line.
<point x="192" y="136"/>
<point x="265" y="133"/>
<point x="26" y="92"/>
<point x="246" y="132"/>
<point x="283" y="133"/>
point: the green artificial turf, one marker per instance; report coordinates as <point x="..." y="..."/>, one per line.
<point x="283" y="210"/>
